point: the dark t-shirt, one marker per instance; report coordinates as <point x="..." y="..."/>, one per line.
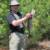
<point x="10" y="18"/>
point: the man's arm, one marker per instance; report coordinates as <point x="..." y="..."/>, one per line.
<point x="19" y="21"/>
<point x="15" y="22"/>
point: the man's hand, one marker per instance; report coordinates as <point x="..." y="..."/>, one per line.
<point x="29" y="16"/>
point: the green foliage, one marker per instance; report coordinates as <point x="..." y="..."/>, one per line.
<point x="41" y="21"/>
<point x="3" y="12"/>
<point x="3" y="22"/>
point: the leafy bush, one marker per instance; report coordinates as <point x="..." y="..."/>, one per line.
<point x="41" y="21"/>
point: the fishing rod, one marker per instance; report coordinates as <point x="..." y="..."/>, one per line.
<point x="30" y="22"/>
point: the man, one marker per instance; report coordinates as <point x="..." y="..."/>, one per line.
<point x="15" y="20"/>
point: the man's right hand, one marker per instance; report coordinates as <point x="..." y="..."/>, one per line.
<point x="29" y="16"/>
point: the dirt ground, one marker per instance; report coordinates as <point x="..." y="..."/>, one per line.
<point x="43" y="45"/>
<point x="4" y="49"/>
<point x="39" y="48"/>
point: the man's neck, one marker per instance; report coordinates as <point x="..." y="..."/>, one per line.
<point x="14" y="12"/>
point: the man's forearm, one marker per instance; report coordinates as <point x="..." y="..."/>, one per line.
<point x="21" y="20"/>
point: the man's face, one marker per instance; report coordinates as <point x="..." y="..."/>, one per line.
<point x="15" y="8"/>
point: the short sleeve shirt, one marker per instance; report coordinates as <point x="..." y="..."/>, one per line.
<point x="10" y="18"/>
